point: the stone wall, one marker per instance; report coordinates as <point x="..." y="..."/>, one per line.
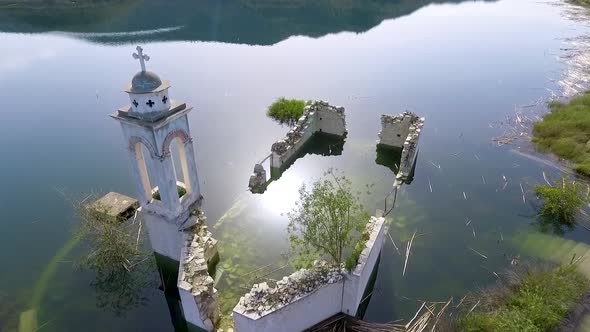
<point x="402" y="132"/>
<point x="292" y="304"/>
<point x="317" y="117"/>
<point x="257" y="182"/>
<point x="410" y="150"/>
<point x="307" y="297"/>
<point x="355" y="283"/>
<point x="198" y="296"/>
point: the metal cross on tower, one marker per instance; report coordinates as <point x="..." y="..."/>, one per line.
<point x="142" y="57"/>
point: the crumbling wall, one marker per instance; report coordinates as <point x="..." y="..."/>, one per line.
<point x="330" y="119"/>
<point x="317" y="117"/>
<point x="402" y="131"/>
<point x="294" y="303"/>
<point x="410" y="150"/>
<point x="257" y="182"/>
<point x="198" y="296"/>
<point x="356" y="282"/>
<point x="395" y="129"/>
<point x="307" y="297"/>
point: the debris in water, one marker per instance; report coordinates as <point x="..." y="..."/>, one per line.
<point x="477" y="252"/>
<point x="505" y="184"/>
<point x="396" y="249"/>
<point x="545" y="178"/>
<point x="408" y="248"/>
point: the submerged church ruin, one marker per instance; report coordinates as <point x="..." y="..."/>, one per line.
<point x="169" y="199"/>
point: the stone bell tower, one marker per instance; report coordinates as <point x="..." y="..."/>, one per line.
<point x="152" y="124"/>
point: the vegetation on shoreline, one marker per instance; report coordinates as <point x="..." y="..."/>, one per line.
<point x="536" y="300"/>
<point x="585" y="3"/>
<point x="287" y="111"/>
<point x="565" y="131"/>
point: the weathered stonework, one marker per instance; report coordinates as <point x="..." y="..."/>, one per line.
<point x="318" y="117"/>
<point x="116" y="205"/>
<point x="199" y="297"/>
<point x="402" y="132"/>
<point x="257" y="181"/>
<point x="263" y="298"/>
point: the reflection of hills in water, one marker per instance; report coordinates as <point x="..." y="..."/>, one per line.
<point x="232" y="21"/>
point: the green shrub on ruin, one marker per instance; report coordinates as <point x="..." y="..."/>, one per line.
<point x="327" y="222"/>
<point x="287" y="111"/>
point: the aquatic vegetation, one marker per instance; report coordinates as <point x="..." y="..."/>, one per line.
<point x="286" y="110"/>
<point x="565" y="131"/>
<point x="121" y="292"/>
<point x="534" y="300"/>
<point x="113" y="247"/>
<point x="562" y="200"/>
<point x="327" y="220"/>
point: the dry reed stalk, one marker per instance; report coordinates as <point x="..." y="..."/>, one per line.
<point x="461" y="302"/>
<point x="440" y="314"/>
<point x="408" y="248"/>
<point x="138" y="234"/>
<point x="396" y="248"/>
<point x="477" y="252"/>
<point x="472" y="308"/>
<point x="545" y="178"/>
<point x="505" y="184"/>
<point x="416" y="315"/>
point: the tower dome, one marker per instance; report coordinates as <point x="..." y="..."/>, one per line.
<point x="147" y="92"/>
<point x="145" y="81"/>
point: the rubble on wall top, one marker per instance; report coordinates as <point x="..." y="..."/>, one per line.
<point x="263" y="298"/>
<point x="386" y="118"/>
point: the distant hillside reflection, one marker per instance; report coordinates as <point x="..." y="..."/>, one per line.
<point x="261" y="22"/>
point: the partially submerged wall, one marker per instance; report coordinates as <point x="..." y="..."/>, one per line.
<point x="198" y="296"/>
<point x="317" y="117"/>
<point x="402" y="132"/>
<point x="410" y="150"/>
<point x="295" y="303"/>
<point x="307" y="297"/>
<point x="356" y="282"/>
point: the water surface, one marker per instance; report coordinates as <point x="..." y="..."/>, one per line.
<point x="464" y="66"/>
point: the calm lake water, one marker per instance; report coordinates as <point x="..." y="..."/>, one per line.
<point x="462" y="65"/>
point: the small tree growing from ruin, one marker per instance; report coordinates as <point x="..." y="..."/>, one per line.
<point x="563" y="199"/>
<point x="327" y="221"/>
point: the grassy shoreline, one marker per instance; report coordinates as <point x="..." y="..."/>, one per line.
<point x="536" y="300"/>
<point x="565" y="132"/>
